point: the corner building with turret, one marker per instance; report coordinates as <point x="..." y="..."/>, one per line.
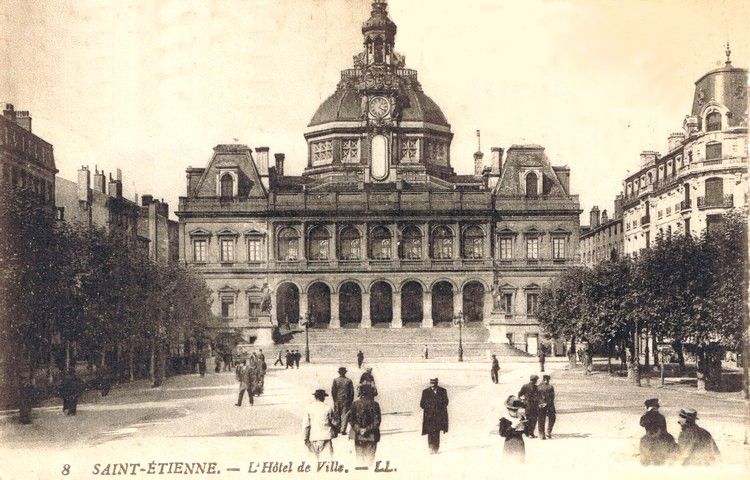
<point x="379" y="231"/>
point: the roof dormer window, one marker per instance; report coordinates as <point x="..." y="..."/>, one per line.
<point x="713" y="122"/>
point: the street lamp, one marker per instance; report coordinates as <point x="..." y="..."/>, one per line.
<point x="305" y="320"/>
<point x="458" y="318"/>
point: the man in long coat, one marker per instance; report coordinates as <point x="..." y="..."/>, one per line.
<point x="364" y="419"/>
<point x="434" y="403"/>
<point x="529" y="393"/>
<point x="697" y="446"/>
<point x="652" y="415"/>
<point x="240" y="375"/>
<point x="342" y="392"/>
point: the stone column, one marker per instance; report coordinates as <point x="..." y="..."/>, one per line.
<point x="302" y="306"/>
<point x="458" y="301"/>
<point x="397" y="322"/>
<point x="488" y="307"/>
<point x="427" y="309"/>
<point x="335" y="320"/>
<point x="366" y="321"/>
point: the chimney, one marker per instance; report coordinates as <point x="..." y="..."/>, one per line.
<point x="9" y="112"/>
<point x="618" y="206"/>
<point x="594" y="217"/>
<point x="100" y="181"/>
<point x="478" y="164"/>
<point x="193" y="177"/>
<point x="261" y="160"/>
<point x="674" y="140"/>
<point x="23" y="119"/>
<point x="497" y="160"/>
<point x="115" y="187"/>
<point x="648" y="158"/>
<point x="119" y="175"/>
<point x="84" y="183"/>
<point x="563" y="174"/>
<point x="279" y="164"/>
<point x="605" y="217"/>
<point x="146" y="200"/>
<point x="690" y="125"/>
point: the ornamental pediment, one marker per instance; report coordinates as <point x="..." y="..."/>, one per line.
<point x="227" y="232"/>
<point x="199" y="232"/>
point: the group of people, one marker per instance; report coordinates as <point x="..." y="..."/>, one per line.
<point x="251" y="376"/>
<point x="361" y="417"/>
<point x="694" y="446"/>
<point x="292" y="358"/>
<point x="533" y="407"/>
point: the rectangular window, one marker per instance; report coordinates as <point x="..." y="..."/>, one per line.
<point x="350" y="151"/>
<point x="558" y="248"/>
<point x="532" y="302"/>
<point x="227" y="250"/>
<point x="532" y="248"/>
<point x="508" y="303"/>
<point x="199" y="250"/>
<point x="506" y="248"/>
<point x="669" y="211"/>
<point x="227" y="307"/>
<point x="254" y="307"/>
<point x="254" y="253"/>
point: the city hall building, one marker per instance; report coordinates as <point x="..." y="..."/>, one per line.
<point x="379" y="231"/>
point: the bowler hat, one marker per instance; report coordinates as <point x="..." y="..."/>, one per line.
<point x="342" y="369"/>
<point x="434" y="380"/>
<point x="534" y="377"/>
<point x="688" y="413"/>
<point x="652" y="402"/>
<point x="546" y="377"/>
<point x="514" y="403"/>
<point x="320" y="393"/>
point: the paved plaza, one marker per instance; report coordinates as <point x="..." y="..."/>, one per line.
<point x="193" y="419"/>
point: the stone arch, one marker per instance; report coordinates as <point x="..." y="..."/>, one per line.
<point x="417" y="280"/>
<point x="385" y="280"/>
<point x="472" y="296"/>
<point x="444" y="279"/>
<point x="361" y="285"/>
<point x="484" y="283"/>
<point x="318" y="280"/>
<point x="381" y="302"/>
<point x="412" y="301"/>
<point x="442" y="292"/>
<point x="287" y="303"/>
<point x="319" y="304"/>
<point x="350" y="302"/>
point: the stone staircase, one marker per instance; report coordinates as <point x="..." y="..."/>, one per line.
<point x="392" y="344"/>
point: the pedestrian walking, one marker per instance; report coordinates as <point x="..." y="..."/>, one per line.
<point x="70" y="390"/>
<point x="364" y="419"/>
<point x="434" y="403"/>
<point x="262" y="361"/>
<point x="289" y="359"/>
<point x="513" y="429"/>
<point x="342" y="392"/>
<point x="696" y="445"/>
<point x="652" y="415"/>
<point x="217" y="364"/>
<point x="367" y="378"/>
<point x="103" y="380"/>
<point x="278" y="361"/>
<point x="530" y="395"/>
<point x="297" y="358"/>
<point x="256" y="375"/>
<point x="541" y="354"/>
<point x="426" y="352"/>
<point x="318" y="425"/>
<point x="202" y="364"/>
<point x="360" y="359"/>
<point x="242" y="375"/>
<point x="494" y="369"/>
<point x="587" y="359"/>
<point x="657" y="446"/>
<point x="547" y="414"/>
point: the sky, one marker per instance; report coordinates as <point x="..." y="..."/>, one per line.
<point x="151" y="86"/>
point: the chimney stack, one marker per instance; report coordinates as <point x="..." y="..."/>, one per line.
<point x="674" y="140"/>
<point x="478" y="164"/>
<point x="115" y="186"/>
<point x="605" y="217"/>
<point x="84" y="183"/>
<point x="594" y="217"/>
<point x="648" y="158"/>
<point x="100" y="181"/>
<point x="23" y="119"/>
<point x="9" y="112"/>
<point x="146" y="200"/>
<point x="497" y="160"/>
<point x="279" y="164"/>
<point x="261" y="160"/>
<point x="690" y="125"/>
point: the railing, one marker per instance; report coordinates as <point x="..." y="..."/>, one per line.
<point x="726" y="202"/>
<point x="645" y="220"/>
<point x="685" y="205"/>
<point x="357" y="72"/>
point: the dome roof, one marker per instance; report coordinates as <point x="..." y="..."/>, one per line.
<point x="345" y="106"/>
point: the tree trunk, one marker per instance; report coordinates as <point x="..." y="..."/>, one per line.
<point x="67" y="356"/>
<point x="152" y="365"/>
<point x="609" y="358"/>
<point x="700" y="365"/>
<point x="655" y="350"/>
<point x="162" y="373"/>
<point x="677" y="346"/>
<point x="131" y="361"/>
<point x="646" y="359"/>
<point x="634" y="368"/>
<point x="572" y="352"/>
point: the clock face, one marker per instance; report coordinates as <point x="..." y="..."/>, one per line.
<point x="379" y="107"/>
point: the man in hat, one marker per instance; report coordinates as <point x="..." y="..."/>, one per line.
<point x="546" y="414"/>
<point x="318" y="425"/>
<point x="652" y="415"/>
<point x="542" y="355"/>
<point x="697" y="446"/>
<point x="360" y="359"/>
<point x="342" y="392"/>
<point x="494" y="369"/>
<point x="297" y="358"/>
<point x="289" y="359"/>
<point x="529" y="393"/>
<point x="434" y="403"/>
<point x="364" y="419"/>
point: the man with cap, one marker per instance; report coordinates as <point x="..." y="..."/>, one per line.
<point x="697" y="446"/>
<point x="318" y="425"/>
<point x="434" y="403"/>
<point x="652" y="415"/>
<point x="529" y="393"/>
<point x="342" y="392"/>
<point x="364" y="419"/>
<point x="546" y="414"/>
<point x="494" y="369"/>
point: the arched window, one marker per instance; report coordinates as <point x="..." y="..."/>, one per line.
<point x="473" y="242"/>
<point x="713" y="121"/>
<point x="380" y="243"/>
<point x="288" y="242"/>
<point x="531" y="185"/>
<point x="442" y="243"/>
<point x="319" y="243"/>
<point x="350" y="244"/>
<point x="227" y="186"/>
<point x="411" y="243"/>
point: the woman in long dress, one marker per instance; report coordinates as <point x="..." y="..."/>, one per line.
<point x="512" y="429"/>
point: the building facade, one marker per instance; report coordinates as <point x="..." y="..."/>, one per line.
<point x="603" y="238"/>
<point x="704" y="173"/>
<point x="26" y="160"/>
<point x="379" y="230"/>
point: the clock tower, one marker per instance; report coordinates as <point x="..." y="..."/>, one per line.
<point x="379" y="126"/>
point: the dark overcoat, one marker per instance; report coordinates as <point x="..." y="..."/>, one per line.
<point x="434" y="402"/>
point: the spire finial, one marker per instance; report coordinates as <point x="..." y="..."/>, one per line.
<point x="479" y="141"/>
<point x="728" y="53"/>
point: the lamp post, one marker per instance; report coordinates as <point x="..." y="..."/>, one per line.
<point x="458" y="318"/>
<point x="305" y="320"/>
